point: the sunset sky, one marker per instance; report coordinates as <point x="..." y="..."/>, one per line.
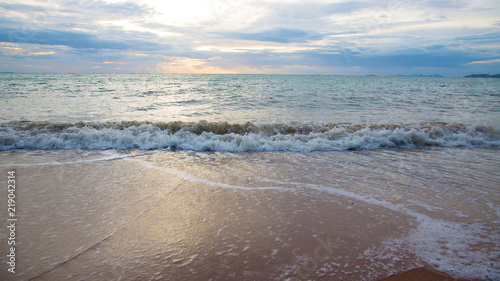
<point x="451" y="38"/>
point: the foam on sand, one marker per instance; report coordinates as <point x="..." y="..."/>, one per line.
<point x="256" y="216"/>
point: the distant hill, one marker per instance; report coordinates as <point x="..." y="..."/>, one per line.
<point x="418" y="75"/>
<point x="483" y="76"/>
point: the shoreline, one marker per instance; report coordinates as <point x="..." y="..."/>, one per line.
<point x="262" y="216"/>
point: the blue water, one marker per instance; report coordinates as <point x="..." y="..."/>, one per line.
<point x="276" y="105"/>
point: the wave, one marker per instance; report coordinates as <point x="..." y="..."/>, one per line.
<point x="223" y="136"/>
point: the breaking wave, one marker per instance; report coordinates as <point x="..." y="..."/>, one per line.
<point x="223" y="136"/>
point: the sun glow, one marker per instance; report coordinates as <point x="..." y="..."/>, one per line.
<point x="190" y="65"/>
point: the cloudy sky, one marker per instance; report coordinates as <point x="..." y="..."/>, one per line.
<point x="447" y="37"/>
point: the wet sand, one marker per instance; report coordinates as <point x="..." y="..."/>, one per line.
<point x="421" y="274"/>
<point x="149" y="218"/>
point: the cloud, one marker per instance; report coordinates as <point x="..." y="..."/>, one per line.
<point x="42" y="53"/>
<point x="279" y="35"/>
<point x="104" y="9"/>
<point x="414" y="60"/>
<point x="239" y="36"/>
<point x="344" y="7"/>
<point x="488" y="37"/>
<point x="485" y="61"/>
<point x="21" y="7"/>
<point x="304" y="13"/>
<point x="191" y="65"/>
<point x="77" y="40"/>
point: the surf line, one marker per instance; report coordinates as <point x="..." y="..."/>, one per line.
<point x="193" y="178"/>
<point x="110" y="157"/>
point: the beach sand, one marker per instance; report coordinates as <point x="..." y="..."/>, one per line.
<point x="198" y="216"/>
<point x="421" y="274"/>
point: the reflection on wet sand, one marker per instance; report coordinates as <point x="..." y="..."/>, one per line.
<point x="206" y="216"/>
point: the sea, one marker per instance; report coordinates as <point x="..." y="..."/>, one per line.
<point x="251" y="177"/>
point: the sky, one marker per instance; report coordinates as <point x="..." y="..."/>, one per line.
<point x="445" y="37"/>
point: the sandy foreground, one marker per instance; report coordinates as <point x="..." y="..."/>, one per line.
<point x="94" y="217"/>
<point x="420" y="274"/>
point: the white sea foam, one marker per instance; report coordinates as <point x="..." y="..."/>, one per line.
<point x="446" y="245"/>
<point x="193" y="178"/>
<point x="221" y="136"/>
<point x="108" y="156"/>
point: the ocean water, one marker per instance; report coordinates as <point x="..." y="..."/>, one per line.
<point x="251" y="177"/>
<point x="245" y="112"/>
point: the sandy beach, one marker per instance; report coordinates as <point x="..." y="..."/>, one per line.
<point x="420" y="274"/>
<point x="90" y="215"/>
